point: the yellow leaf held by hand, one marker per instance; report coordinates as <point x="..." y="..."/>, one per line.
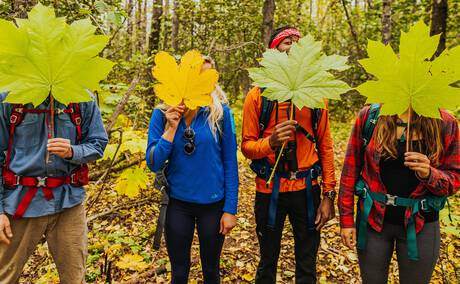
<point x="185" y="82"/>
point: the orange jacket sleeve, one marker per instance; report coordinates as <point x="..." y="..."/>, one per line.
<point x="252" y="146"/>
<point x="326" y="152"/>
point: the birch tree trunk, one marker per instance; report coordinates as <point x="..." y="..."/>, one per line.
<point x="386" y="21"/>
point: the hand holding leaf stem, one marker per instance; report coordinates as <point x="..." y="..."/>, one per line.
<point x="419" y="163"/>
<point x="283" y="132"/>
<point x="173" y="116"/>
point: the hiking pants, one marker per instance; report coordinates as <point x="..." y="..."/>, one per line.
<point x="66" y="236"/>
<point x="293" y="205"/>
<point x="374" y="261"/>
<point x="181" y="218"/>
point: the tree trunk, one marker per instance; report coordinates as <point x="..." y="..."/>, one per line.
<point x="386" y="21"/>
<point x="21" y="7"/>
<point x="165" y="23"/>
<point x="145" y="33"/>
<point x="439" y="23"/>
<point x="267" y="24"/>
<point x="154" y="41"/>
<point x="140" y="26"/>
<point x="352" y="29"/>
<point x="175" y="26"/>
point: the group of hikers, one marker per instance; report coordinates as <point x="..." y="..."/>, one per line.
<point x="400" y="192"/>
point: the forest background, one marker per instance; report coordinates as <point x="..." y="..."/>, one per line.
<point x="122" y="204"/>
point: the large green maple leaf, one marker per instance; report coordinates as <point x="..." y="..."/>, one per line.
<point x="301" y="76"/>
<point x="411" y="79"/>
<point x="44" y="55"/>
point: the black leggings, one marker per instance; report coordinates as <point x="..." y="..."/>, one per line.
<point x="375" y="260"/>
<point x="181" y="218"/>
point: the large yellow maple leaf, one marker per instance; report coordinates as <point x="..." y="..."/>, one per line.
<point x="185" y="82"/>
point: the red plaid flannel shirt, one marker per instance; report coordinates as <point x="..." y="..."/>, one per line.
<point x="443" y="181"/>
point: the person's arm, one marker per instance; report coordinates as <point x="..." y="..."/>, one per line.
<point x="326" y="152"/>
<point x="230" y="162"/>
<point x="351" y="171"/>
<point x="4" y="138"/>
<point x="252" y="146"/>
<point x="158" y="148"/>
<point x="445" y="179"/>
<point x="94" y="137"/>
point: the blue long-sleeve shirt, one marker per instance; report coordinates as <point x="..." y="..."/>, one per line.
<point x="210" y="174"/>
<point x="29" y="155"/>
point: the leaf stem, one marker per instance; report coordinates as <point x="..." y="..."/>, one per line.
<point x="50" y="125"/>
<point x="281" y="151"/>
<point x="408" y="138"/>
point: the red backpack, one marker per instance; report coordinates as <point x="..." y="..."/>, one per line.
<point x="78" y="177"/>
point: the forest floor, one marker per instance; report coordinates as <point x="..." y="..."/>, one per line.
<point x="121" y="229"/>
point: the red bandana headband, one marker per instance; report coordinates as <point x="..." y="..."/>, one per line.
<point x="282" y="35"/>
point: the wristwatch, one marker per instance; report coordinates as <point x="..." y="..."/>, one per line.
<point x="330" y="194"/>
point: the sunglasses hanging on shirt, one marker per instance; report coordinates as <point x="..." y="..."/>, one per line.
<point x="189" y="136"/>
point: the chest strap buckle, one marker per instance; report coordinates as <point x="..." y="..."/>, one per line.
<point x="391" y="200"/>
<point x="41" y="181"/>
<point x="293" y="175"/>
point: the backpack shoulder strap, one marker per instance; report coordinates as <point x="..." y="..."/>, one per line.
<point x="16" y="117"/>
<point x="315" y="119"/>
<point x="75" y="116"/>
<point x="265" y="113"/>
<point x="371" y="122"/>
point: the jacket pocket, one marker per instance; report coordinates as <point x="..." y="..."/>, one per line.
<point x="25" y="134"/>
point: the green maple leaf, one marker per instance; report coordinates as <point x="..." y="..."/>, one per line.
<point x="410" y="79"/>
<point x="44" y="55"/>
<point x="302" y="76"/>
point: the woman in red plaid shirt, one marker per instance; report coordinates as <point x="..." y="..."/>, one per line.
<point x="400" y="193"/>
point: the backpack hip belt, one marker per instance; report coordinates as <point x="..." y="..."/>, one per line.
<point x="428" y="203"/>
<point x="79" y="177"/>
<point x="262" y="168"/>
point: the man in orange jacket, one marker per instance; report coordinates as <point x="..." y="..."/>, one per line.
<point x="294" y="191"/>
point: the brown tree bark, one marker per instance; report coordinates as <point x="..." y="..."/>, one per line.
<point x="154" y="41"/>
<point x="386" y="21"/>
<point x="267" y="24"/>
<point x="175" y="26"/>
<point x="352" y="29"/>
<point x="21" y="7"/>
<point x="439" y="23"/>
<point x="166" y="28"/>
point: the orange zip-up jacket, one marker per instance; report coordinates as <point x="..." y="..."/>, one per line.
<point x="254" y="148"/>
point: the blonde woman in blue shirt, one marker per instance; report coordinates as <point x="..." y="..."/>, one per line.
<point x="202" y="172"/>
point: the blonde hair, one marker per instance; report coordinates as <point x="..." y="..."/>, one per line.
<point x="216" y="109"/>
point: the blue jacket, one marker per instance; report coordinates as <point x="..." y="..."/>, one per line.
<point x="29" y="153"/>
<point x="210" y="174"/>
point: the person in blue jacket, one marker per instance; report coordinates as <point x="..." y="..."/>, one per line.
<point x="42" y="183"/>
<point x="202" y="172"/>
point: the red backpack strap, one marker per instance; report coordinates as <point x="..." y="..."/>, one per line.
<point x="75" y="116"/>
<point x="16" y="117"/>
